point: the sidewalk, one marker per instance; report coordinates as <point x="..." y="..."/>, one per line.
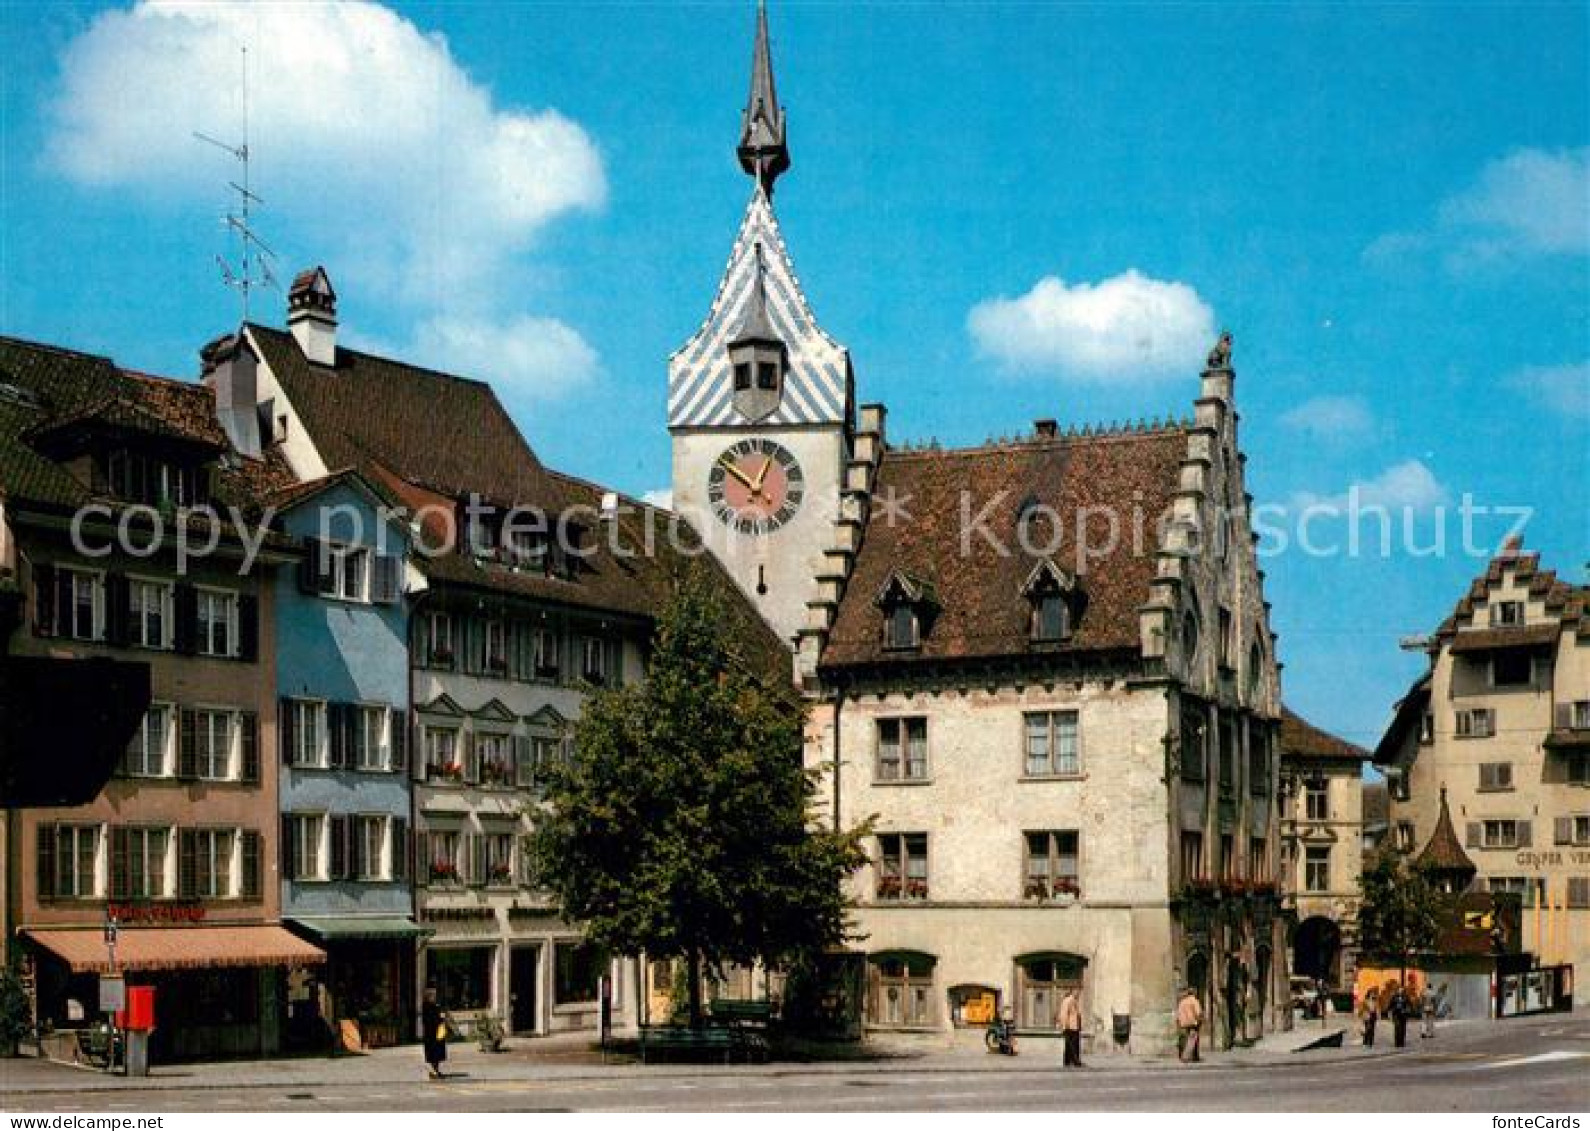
<point x="575" y="1058"/>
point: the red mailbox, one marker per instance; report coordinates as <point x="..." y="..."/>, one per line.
<point x="139" y="1016"/>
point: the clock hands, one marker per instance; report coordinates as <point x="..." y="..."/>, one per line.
<point x="760" y="476"/>
<point x="755" y="486"/>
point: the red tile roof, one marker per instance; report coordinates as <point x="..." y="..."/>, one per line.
<point x="1302" y="740"/>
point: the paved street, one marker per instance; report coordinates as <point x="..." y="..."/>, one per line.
<point x="1539" y="1065"/>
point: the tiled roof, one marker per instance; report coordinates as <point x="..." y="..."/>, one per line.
<point x="1405" y="720"/>
<point x="447" y="433"/>
<point x="916" y="527"/>
<point x="1494" y="639"/>
<point x="1571" y="603"/>
<point x="1302" y="740"/>
<point x="1444" y="852"/>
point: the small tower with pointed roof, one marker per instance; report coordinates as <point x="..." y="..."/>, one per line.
<point x="1442" y="859"/>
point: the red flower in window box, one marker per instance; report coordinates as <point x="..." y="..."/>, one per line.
<point x="1036" y="889"/>
<point x="889" y="887"/>
<point x="442" y="655"/>
<point x="501" y="873"/>
<point x="444" y="870"/>
<point x="916" y="889"/>
<point x="1065" y="885"/>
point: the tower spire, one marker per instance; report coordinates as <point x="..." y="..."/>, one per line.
<point x="762" y="150"/>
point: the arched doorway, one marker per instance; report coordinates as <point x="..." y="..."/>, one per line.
<point x="1317" y="950"/>
<point x="1236" y="991"/>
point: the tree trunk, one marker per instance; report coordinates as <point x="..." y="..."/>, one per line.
<point x="693" y="970"/>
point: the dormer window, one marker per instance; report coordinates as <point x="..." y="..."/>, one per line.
<point x="757" y="354"/>
<point x="742" y="376"/>
<point x="1505" y="614"/>
<point x="909" y="606"/>
<point x="1054" y="599"/>
<point x="141" y="478"/>
<point x="1050" y="620"/>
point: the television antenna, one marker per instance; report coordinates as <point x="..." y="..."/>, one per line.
<point x="254" y="265"/>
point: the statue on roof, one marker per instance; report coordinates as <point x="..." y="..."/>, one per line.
<point x="1220" y="356"/>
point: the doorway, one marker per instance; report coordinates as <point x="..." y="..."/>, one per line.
<point x="524" y="972"/>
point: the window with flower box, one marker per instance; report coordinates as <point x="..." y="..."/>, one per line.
<point x="902" y="868"/>
<point x="444" y="848"/>
<point x="442" y="762"/>
<point x="437" y="639"/>
<point x="501" y="848"/>
<point x="493" y="762"/>
<point x="1052" y="865"/>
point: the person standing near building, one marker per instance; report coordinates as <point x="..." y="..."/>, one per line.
<point x="433" y="1032"/>
<point x="1401" y="1008"/>
<point x="1427" y="1013"/>
<point x="1189" y="1017"/>
<point x="1071" y="1028"/>
<point x="1369" y="1014"/>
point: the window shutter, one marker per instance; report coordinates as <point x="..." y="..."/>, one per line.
<point x="400" y="848"/>
<point x="339" y="847"/>
<point x="118" y="609"/>
<point x="188" y="744"/>
<point x="398" y="728"/>
<point x="306" y="567"/>
<point x="286" y="729"/>
<point x="46" y="863"/>
<point x="1562" y="830"/>
<point x="1579" y="891"/>
<point x="251" y="862"/>
<point x="336" y="734"/>
<point x="288" y="864"/>
<point x="44" y="622"/>
<point x="248" y="627"/>
<point x="385" y="579"/>
<point x="1474" y="834"/>
<point x="187" y="864"/>
<point x="1562" y="716"/>
<point x="523" y="762"/>
<point x="1526" y="834"/>
<point x="248" y="738"/>
<point x="477" y="860"/>
<point x="119" y="838"/>
<point x="185" y="606"/>
<point x="420" y="854"/>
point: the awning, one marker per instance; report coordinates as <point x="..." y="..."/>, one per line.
<point x="366" y="927"/>
<point x="179" y="948"/>
<point x="1492" y="639"/>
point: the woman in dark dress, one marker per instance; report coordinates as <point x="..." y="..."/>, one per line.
<point x="433" y="1030"/>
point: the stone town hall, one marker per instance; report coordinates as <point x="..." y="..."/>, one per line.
<point x="1071" y="758"/>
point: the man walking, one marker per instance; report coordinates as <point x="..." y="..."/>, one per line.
<point x="1189" y="1017"/>
<point x="1400" y="1010"/>
<point x="1071" y="1028"/>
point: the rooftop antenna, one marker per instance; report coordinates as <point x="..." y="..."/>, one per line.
<point x="254" y="270"/>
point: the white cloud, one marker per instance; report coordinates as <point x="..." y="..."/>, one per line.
<point x="1121" y="328"/>
<point x="1407" y="485"/>
<point x="521" y="356"/>
<point x="661" y="497"/>
<point x="1531" y="202"/>
<point x="1330" y="418"/>
<point x="1563" y="389"/>
<point x="376" y="152"/>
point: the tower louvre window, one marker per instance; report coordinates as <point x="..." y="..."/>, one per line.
<point x="742" y="376"/>
<point x="767" y="375"/>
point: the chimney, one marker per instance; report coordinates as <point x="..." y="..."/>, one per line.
<point x="232" y="371"/>
<point x="1046" y="429"/>
<point x="312" y="316"/>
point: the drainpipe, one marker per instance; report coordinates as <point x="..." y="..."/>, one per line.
<point x="839" y="701"/>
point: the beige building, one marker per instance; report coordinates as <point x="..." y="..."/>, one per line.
<point x="1322" y="848"/>
<point x="1501" y="722"/>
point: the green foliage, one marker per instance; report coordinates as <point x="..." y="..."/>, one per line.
<point x="1400" y="913"/>
<point x="13" y="1009"/>
<point x="682" y="826"/>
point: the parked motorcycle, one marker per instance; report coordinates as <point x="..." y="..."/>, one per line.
<point x="1001" y="1036"/>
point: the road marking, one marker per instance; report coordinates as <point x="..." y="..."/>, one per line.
<point x="1538" y="1058"/>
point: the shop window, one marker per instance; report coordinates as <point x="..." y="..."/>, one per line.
<point x="461" y="975"/>
<point x="902" y="989"/>
<point x="1042" y="981"/>
<point x="578" y="968"/>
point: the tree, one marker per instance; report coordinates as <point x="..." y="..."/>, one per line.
<point x="682" y="825"/>
<point x="14" y="1011"/>
<point x="1400" y="913"/>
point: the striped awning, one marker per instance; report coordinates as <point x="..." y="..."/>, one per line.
<point x="178" y="948"/>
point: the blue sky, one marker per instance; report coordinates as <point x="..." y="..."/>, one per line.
<point x="1385" y="203"/>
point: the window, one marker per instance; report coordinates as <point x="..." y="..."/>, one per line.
<point x="596" y="666"/>
<point x="78" y="873"/>
<point x="494" y="646"/>
<point x="1512" y="668"/>
<point x="1255" y="671"/>
<point x="308" y="831"/>
<point x="1051" y="865"/>
<point x="1258" y="762"/>
<point x="577" y="972"/>
<point x="902" y="989"/>
<point x="212" y="734"/>
<point x="902" y="866"/>
<point x="1051" y="744"/>
<point x="1050" y="618"/>
<point x="439" y="639"/>
<point x="500" y="851"/>
<point x="1228" y="640"/>
<point x="1317" y="869"/>
<point x="1477" y="722"/>
<point x="1192" y="856"/>
<point x="149" y="755"/>
<point x="149" y="613"/>
<point x="441" y="754"/>
<point x="444" y="847"/>
<point x="1499" y="834"/>
<point x="1258" y="859"/>
<point x="766" y="375"/>
<point x="350" y="572"/>
<point x="140" y="478"/>
<point x="81" y="601"/>
<point x="1404" y="836"/>
<point x="900" y="627"/>
<point x="1496" y="776"/>
<point x="1189" y="636"/>
<point x="493" y="765"/>
<point x="371" y="860"/>
<point x="1578" y="767"/>
<point x="370" y="744"/>
<point x="1229" y="864"/>
<point x="148" y="867"/>
<point x="1507" y="613"/>
<point x="525" y="548"/>
<point x="1041" y="985"/>
<point x="1316" y="799"/>
<point x="1427" y="728"/>
<point x="1531" y="889"/>
<point x="902" y="750"/>
<point x="212" y="863"/>
<point x="1579" y="714"/>
<point x="1193" y="745"/>
<point x="742" y="376"/>
<point x="217" y="622"/>
<point x="461" y="975"/>
<point x="1228" y="758"/>
<point x="306" y="723"/>
<point x="547" y="751"/>
<point x="544" y="652"/>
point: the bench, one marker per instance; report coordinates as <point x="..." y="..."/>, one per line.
<point x="712" y="1042"/>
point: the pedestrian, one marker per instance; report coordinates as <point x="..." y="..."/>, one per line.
<point x="1189" y="1017"/>
<point x="1369" y="1014"/>
<point x="1071" y="1028"/>
<point x="1427" y="1012"/>
<point x="1400" y="1010"/>
<point x="433" y="1033"/>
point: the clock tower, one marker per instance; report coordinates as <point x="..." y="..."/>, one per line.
<point x="760" y="399"/>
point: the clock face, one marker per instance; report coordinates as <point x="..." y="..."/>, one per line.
<point x="755" y="486"/>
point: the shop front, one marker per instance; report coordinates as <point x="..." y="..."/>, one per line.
<point x="218" y="990"/>
<point x="363" y="996"/>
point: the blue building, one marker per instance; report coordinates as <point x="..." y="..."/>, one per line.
<point x="342" y="655"/>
